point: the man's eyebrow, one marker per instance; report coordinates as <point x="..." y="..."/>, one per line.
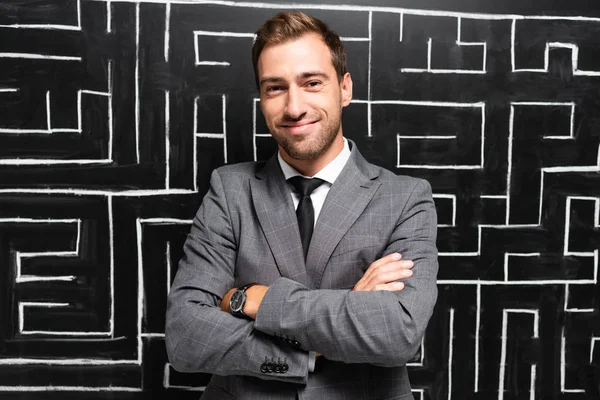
<point x="312" y="74"/>
<point x="271" y="79"/>
<point x="303" y="75"/>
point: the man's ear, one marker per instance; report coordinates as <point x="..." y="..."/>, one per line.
<point x="346" y="86"/>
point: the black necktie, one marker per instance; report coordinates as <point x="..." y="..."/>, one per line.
<point x="305" y="211"/>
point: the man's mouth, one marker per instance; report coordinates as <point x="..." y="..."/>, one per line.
<point x="298" y="127"/>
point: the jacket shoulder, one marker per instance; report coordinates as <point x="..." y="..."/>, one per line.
<point x="396" y="183"/>
<point x="243" y="168"/>
<point x="239" y="171"/>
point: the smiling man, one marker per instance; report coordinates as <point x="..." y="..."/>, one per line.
<point x="302" y="98"/>
<point x="313" y="275"/>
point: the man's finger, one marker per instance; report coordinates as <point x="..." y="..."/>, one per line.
<point x="387" y="277"/>
<point x="390" y="287"/>
<point x="377" y="275"/>
<point x="391" y="276"/>
<point x="387" y="259"/>
<point x="382" y="261"/>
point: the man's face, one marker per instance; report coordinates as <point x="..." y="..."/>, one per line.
<point x="301" y="96"/>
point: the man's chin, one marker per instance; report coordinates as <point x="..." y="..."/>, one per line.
<point x="302" y="154"/>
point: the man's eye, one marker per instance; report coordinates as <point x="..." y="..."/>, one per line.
<point x="274" y="89"/>
<point x="313" y="84"/>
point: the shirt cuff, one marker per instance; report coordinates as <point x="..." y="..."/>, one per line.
<point x="312" y="360"/>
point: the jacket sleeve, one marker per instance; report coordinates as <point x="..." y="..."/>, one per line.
<point x="199" y="336"/>
<point x="379" y="327"/>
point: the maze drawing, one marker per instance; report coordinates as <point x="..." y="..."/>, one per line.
<point x="114" y="113"/>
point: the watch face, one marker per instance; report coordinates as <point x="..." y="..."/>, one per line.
<point x="237" y="300"/>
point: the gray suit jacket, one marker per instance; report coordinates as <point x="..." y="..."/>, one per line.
<point x="246" y="231"/>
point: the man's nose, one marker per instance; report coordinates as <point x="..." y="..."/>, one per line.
<point x="295" y="107"/>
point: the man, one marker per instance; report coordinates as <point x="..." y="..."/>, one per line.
<point x="275" y="309"/>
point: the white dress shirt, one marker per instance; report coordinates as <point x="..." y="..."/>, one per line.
<point x="329" y="174"/>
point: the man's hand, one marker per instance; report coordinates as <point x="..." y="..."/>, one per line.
<point x="382" y="274"/>
<point x="254" y="296"/>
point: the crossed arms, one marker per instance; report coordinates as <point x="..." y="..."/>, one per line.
<point x="383" y="274"/>
<point x="381" y="321"/>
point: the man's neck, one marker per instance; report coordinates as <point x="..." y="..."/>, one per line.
<point x="311" y="167"/>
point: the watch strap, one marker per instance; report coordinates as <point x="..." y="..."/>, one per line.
<point x="248" y="286"/>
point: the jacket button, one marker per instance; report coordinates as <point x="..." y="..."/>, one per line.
<point x="296" y="343"/>
<point x="270" y="367"/>
<point x="277" y="368"/>
<point x="263" y="368"/>
<point x="284" y="368"/>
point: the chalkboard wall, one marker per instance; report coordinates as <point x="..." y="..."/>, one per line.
<point x="113" y="114"/>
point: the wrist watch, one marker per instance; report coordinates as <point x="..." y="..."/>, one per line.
<point x="238" y="300"/>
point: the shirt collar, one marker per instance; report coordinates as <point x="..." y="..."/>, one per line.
<point x="329" y="173"/>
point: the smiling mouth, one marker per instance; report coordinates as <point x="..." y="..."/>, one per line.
<point x="300" y="125"/>
<point x="299" y="130"/>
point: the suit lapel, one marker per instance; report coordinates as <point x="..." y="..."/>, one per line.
<point x="277" y="218"/>
<point x="352" y="191"/>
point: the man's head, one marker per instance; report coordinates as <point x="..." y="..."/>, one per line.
<point x="288" y="26"/>
<point x="303" y="87"/>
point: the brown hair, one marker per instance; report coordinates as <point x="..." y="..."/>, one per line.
<point x="290" y="25"/>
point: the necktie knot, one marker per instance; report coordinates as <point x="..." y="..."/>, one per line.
<point x="305" y="186"/>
